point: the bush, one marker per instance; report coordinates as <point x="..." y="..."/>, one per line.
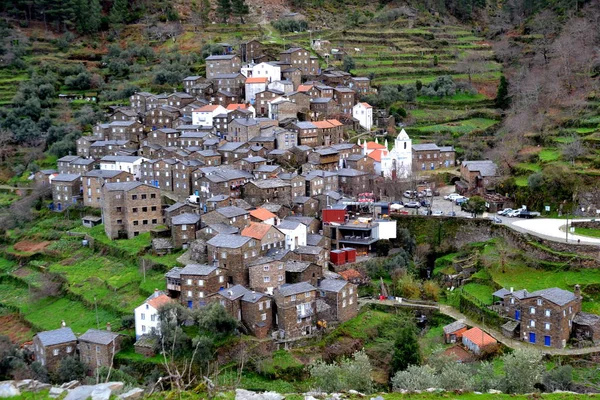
<point x="350" y="374"/>
<point x="415" y="378"/>
<point x="441" y="87"/>
<point x="70" y="369"/>
<point x="290" y="25"/>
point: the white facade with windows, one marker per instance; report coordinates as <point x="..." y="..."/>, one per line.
<point x="363" y="112"/>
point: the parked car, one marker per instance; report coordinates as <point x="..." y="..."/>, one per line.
<point x="514" y="213"/>
<point x="461" y="200"/>
<point x="410" y="194"/>
<point x="496" y="220"/>
<point x="452" y="196"/>
<point x="505" y="211"/>
<point x="412" y="204"/>
<point x="452" y="214"/>
<point x="425" y="203"/>
<point x="439" y="213"/>
<point x="528" y="214"/>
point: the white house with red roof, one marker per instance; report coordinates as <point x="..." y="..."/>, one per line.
<point x="240" y="106"/>
<point x="254" y="85"/>
<point x="395" y="163"/>
<point x="203" y="116"/>
<point x="146" y="315"/>
<point x="363" y="112"/>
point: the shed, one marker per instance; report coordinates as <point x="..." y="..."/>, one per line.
<point x="338" y="257"/>
<point x="477" y="340"/>
<point x="453" y="332"/>
<point x="90" y="221"/>
<point x="350" y="254"/>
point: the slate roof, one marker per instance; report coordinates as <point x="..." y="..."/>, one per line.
<point x="174" y="207"/>
<point x="305" y="125"/>
<point x="234" y="292"/>
<point x="66" y="177"/>
<point x="217" y="198"/>
<point x="288" y="225"/>
<point x="278" y="253"/>
<point x="295" y="288"/>
<point x="308" y="250"/>
<point x="332" y="285"/>
<point x="270" y="183"/>
<point x="231" y="211"/>
<point x="221" y="57"/>
<point x="253" y="297"/>
<point x="501" y="293"/>
<point x="312" y="239"/>
<point x="350" y="172"/>
<point x="228" y="241"/>
<point x="125" y="186"/>
<point x="453" y="327"/>
<point x="57" y="336"/>
<point x="425" y="147"/>
<point x="198" y="269"/>
<point x="185" y="219"/>
<point x="555" y="295"/>
<point x="582" y="318"/>
<point x="484" y="167"/>
<point x="296" y="266"/>
<point x="98" y="336"/>
<point x="224" y="228"/>
<point x="174" y="272"/>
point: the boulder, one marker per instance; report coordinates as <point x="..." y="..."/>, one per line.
<point x="80" y="393"/>
<point x="494" y="391"/>
<point x="377" y="398"/>
<point x="133" y="394"/>
<point x="70" y="385"/>
<point x="101" y="393"/>
<point x="56" y="392"/>
<point x="241" y="394"/>
<point x="8" y="389"/>
<point x="24" y="383"/>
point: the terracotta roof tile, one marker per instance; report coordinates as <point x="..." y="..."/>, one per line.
<point x="377" y="154"/>
<point x="480" y="338"/>
<point x="159" y="301"/>
<point x="262" y="214"/>
<point x="375" y="146"/>
<point x="256" y="230"/>
<point x="350" y="274"/>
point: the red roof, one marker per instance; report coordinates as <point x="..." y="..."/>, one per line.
<point x="367" y="105"/>
<point x="256" y="230"/>
<point x="159" y="301"/>
<point x="262" y="214"/>
<point x="479" y="337"/>
<point x="304" y="88"/>
<point x="350" y="274"/>
<point x="207" y="108"/>
<point x="374" y="146"/>
<point x="237" y="106"/>
<point x="377" y="154"/>
<point x="334" y="122"/>
<point x="322" y="124"/>
<point x="257" y="80"/>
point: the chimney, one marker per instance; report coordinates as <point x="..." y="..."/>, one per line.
<point x="577" y="291"/>
<point x="511" y="289"/>
<point x="108" y="327"/>
<point x="63" y="324"/>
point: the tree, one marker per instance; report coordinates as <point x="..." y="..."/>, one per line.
<point x="523" y="369"/>
<point x="239" y="9"/>
<point x="415" y="378"/>
<point x="573" y="150"/>
<point x="558" y="378"/>
<point x="406" y="349"/>
<point x="475" y="205"/>
<point x="215" y="320"/>
<point x="350" y="374"/>
<point x="119" y="12"/>
<point x="71" y="369"/>
<point x="382" y="248"/>
<point x="224" y="9"/>
<point x="472" y="63"/>
<point x="502" y="100"/>
<point x="348" y="63"/>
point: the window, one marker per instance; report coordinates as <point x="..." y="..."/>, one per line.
<point x="153" y="317"/>
<point x="293" y="297"/>
<point x="307" y="295"/>
<point x="143" y="197"/>
<point x="145" y="222"/>
<point x="570" y="310"/>
<point x="350" y="301"/>
<point x="201" y="295"/>
<point x="223" y="254"/>
<point x="260" y="305"/>
<point x="119" y="209"/>
<point x="135" y="223"/>
<point x="143" y="316"/>
<point x="143" y="328"/>
<point x="189" y="293"/>
<point x="266" y="268"/>
<point x="267" y="305"/>
<point x="547" y="326"/>
<point x="532" y="310"/>
<point x="263" y="317"/>
<point x="266" y="279"/>
<point x="344" y="304"/>
<point x="69" y="349"/>
<point x="512" y="300"/>
<point x="144" y="209"/>
<point x="153" y="196"/>
<point x="134" y="197"/>
<point x="154" y="221"/>
<point x="184" y="227"/>
<point x="547" y="313"/>
<point x="221" y="279"/>
<point x="532" y="323"/>
<point x="539" y="302"/>
<point x="189" y="281"/>
<point x="55" y="352"/>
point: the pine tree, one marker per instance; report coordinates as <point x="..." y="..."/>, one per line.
<point x="204" y="12"/>
<point x="502" y="99"/>
<point x="224" y="9"/>
<point x="240" y="8"/>
<point x="94" y="16"/>
<point x="406" y="349"/>
<point x="119" y="12"/>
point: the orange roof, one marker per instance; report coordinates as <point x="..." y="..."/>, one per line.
<point x="304" y="88"/>
<point x="262" y="214"/>
<point x="256" y="230"/>
<point x="237" y="106"/>
<point x="374" y="146"/>
<point x="377" y="154"/>
<point x="257" y="80"/>
<point x="322" y="124"/>
<point x="334" y="122"/>
<point x="159" y="301"/>
<point x="208" y="108"/>
<point x="479" y="337"/>
<point x="350" y="274"/>
<point x="367" y="105"/>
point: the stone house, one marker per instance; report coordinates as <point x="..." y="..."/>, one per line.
<point x="267" y="236"/>
<point x="222" y="64"/>
<point x="225" y="98"/>
<point x="360" y="163"/>
<point x="586" y="327"/>
<point x="360" y="84"/>
<point x="300" y="58"/>
<point x="95" y="179"/>
<point x="477" y="340"/>
<point x="190" y="81"/>
<point x="302" y="271"/>
<point x="313" y="254"/>
<point x="304" y="205"/>
<point x="183" y="229"/>
<point x="295" y="309"/>
<point x="192" y="139"/>
<point x="341" y="297"/>
<point x="179" y="99"/>
<point x="265" y="274"/>
<point x="251" y="164"/>
<point x="546" y="316"/>
<point x="324" y="159"/>
<point x="228" y="182"/>
<point x="329" y="132"/>
<point x="208" y="157"/>
<point x="156" y="101"/>
<point x="125" y="130"/>
<point x="101" y="148"/>
<point x="319" y="182"/>
<point x="51" y="347"/>
<point x="293" y="75"/>
<point x="231" y="215"/>
<point x="63" y="164"/>
<point x="281" y="109"/>
<point x="345" y="99"/>
<point x="352" y="182"/>
<point x="262" y="101"/>
<point x="242" y="130"/>
<point x="83" y="145"/>
<point x="268" y="190"/>
<point x="306" y="132"/>
<point x="97" y="348"/>
<point x="257" y="313"/>
<point x="165" y="137"/>
<point x="265" y="171"/>
<point x="301" y="152"/>
<point x="323" y="108"/>
<point x="250" y="50"/>
<point x="178" y="209"/>
<point x="228" y="151"/>
<point x="130" y="208"/>
<point x="232" y="252"/>
<point x="162" y="117"/>
<point x="428" y="156"/>
<point x="453" y="332"/>
<point x="158" y="173"/>
<point x="66" y="191"/>
<point x="298" y="183"/>
<point x="263" y="215"/>
<point x="197" y="282"/>
<point x="229" y="85"/>
<point x="124" y="114"/>
<point x="479" y="176"/>
<point x="218" y="201"/>
<point x="140" y="101"/>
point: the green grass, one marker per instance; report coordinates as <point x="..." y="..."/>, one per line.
<point x="460" y="127"/>
<point x="363" y="326"/>
<point x="529" y="167"/>
<point x="481" y="292"/>
<point x="280" y="359"/>
<point x="521" y="181"/>
<point x="461" y="97"/>
<point x="133" y="246"/>
<point x="6" y="265"/>
<point x="548" y="155"/>
<point x="588" y="232"/>
<point x="129" y="354"/>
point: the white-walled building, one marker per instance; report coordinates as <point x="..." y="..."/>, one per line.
<point x="255" y="85"/>
<point x="270" y="70"/>
<point x="146" y="315"/>
<point x="131" y="164"/>
<point x="295" y="234"/>
<point x="386" y="229"/>
<point x="396" y="163"/>
<point x="203" y="116"/>
<point x="283" y="86"/>
<point x="363" y="112"/>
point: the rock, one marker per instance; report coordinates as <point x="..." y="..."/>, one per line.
<point x="80" y="393"/>
<point x="377" y="398"/>
<point x="56" y="392"/>
<point x="24" y="383"/>
<point x="494" y="391"/>
<point x="356" y="393"/>
<point x="70" y="385"/>
<point x="309" y="398"/>
<point x="114" y="386"/>
<point x="241" y="394"/>
<point x="477" y="393"/>
<point x="132" y="394"/>
<point x="101" y="393"/>
<point x="36" y="386"/>
<point x="315" y="394"/>
<point x="8" y="389"/>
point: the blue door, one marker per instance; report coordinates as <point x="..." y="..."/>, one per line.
<point x="547" y="341"/>
<point x="190" y="303"/>
<point x="197" y="193"/>
<point x="518" y="315"/>
<point x="531" y="337"/>
<point x="59" y="207"/>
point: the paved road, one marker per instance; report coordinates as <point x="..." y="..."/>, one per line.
<point x="548" y="228"/>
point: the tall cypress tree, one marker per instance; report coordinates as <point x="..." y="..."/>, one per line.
<point x="240" y="8"/>
<point x="406" y="349"/>
<point x="94" y="16"/>
<point x="224" y="9"/>
<point x="502" y="99"/>
<point x="119" y="12"/>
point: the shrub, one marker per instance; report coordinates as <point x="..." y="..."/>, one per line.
<point x="290" y="25"/>
<point x="350" y="374"/>
<point x="415" y="378"/>
<point x="70" y="369"/>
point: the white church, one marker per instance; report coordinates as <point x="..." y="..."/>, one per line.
<point x="395" y="163"/>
